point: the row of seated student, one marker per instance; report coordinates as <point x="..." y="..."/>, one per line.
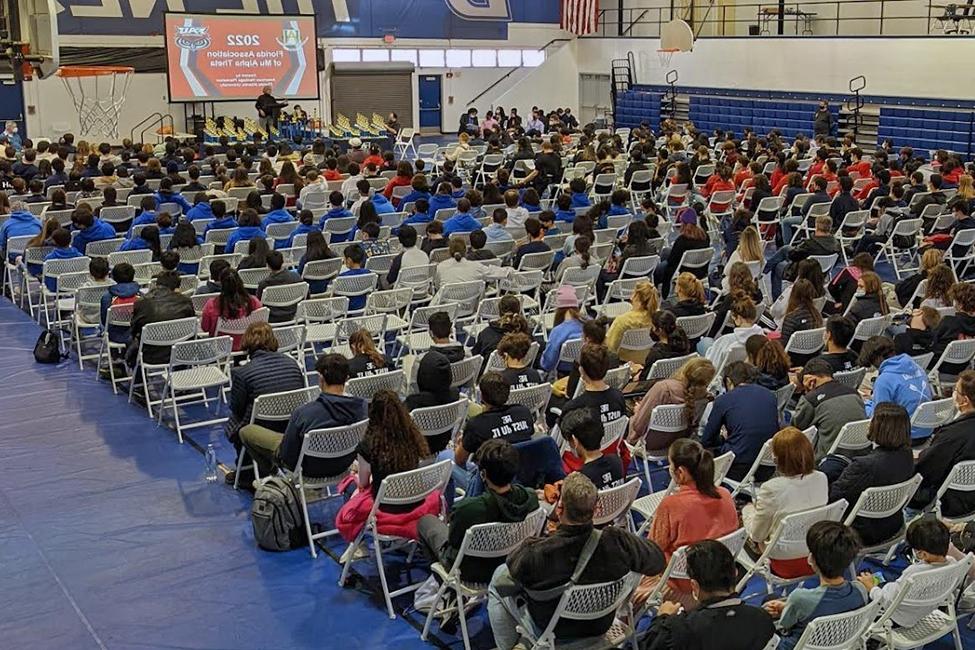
<point x="697" y="512"/>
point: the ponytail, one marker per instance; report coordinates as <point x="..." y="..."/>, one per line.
<point x="582" y="246"/>
<point x="698" y="461"/>
<point x="666" y="323"/>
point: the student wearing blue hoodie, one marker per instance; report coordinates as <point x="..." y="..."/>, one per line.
<point x="382" y="204"/>
<point x="462" y="221"/>
<point x="278" y="213"/>
<point x="580" y="199"/>
<point x="125" y="291"/>
<point x="354" y="256"/>
<point x="443" y="199"/>
<point x="565" y="212"/>
<point x="421" y="213"/>
<point x="20" y="224"/>
<point x="568" y="326"/>
<point x="221" y="220"/>
<point x="618" y="201"/>
<point x="91" y="229"/>
<point x="900" y="381"/>
<point x="147" y="215"/>
<point x="146" y="240"/>
<point x="457" y="188"/>
<point x="167" y="195"/>
<point x="249" y="228"/>
<point x="201" y="208"/>
<point x="337" y="210"/>
<point x="420" y="190"/>
<point x="306" y="224"/>
<point x="63" y="251"/>
<point x="530" y="201"/>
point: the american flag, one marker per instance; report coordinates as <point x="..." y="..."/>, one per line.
<point x="580" y="16"/>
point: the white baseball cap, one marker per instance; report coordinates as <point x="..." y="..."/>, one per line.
<point x="355" y="143"/>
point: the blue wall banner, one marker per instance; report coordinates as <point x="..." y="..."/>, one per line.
<point x="433" y="19"/>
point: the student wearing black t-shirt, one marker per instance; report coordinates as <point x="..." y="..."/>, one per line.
<point x="536" y="241"/>
<point x="839" y="333"/>
<point x="584" y="433"/>
<point x="605" y="402"/>
<point x="548" y="168"/>
<point x="514" y="348"/>
<point x="366" y="359"/>
<point x="512" y="422"/>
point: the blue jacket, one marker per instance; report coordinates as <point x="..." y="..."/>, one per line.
<point x="244" y="233"/>
<point x="565" y="215"/>
<point x="750" y="415"/>
<point x="413" y="197"/>
<point x="147" y="218"/>
<point x="382" y="204"/>
<point x="200" y="211"/>
<point x="227" y="222"/>
<point x="55" y="179"/>
<point x="97" y="231"/>
<point x="337" y="213"/>
<point x="276" y="216"/>
<point x="302" y="229"/>
<point x="20" y="224"/>
<point x="458" y="194"/>
<point x="118" y="334"/>
<point x="616" y="210"/>
<point x="173" y="197"/>
<point x="441" y="202"/>
<point x="135" y="244"/>
<point x="903" y="382"/>
<point x="532" y="208"/>
<point x="566" y="331"/>
<point x="418" y="217"/>
<point x="59" y="254"/>
<point x="580" y="200"/>
<point x="460" y="222"/>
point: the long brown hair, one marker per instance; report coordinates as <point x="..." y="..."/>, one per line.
<point x="50" y="225"/>
<point x="698" y="461"/>
<point x="740" y="279"/>
<point x="510" y="317"/>
<point x="873" y="287"/>
<point x="768" y="356"/>
<point x="695" y="375"/>
<point x="361" y="343"/>
<point x="394" y="440"/>
<point x="801" y="297"/>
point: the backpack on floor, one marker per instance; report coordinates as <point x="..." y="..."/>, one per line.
<point x="276" y="515"/>
<point x="48" y="348"/>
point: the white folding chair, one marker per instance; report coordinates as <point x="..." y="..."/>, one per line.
<point x="533" y="397"/>
<point x="325" y="444"/>
<point x="613" y="505"/>
<point x="852" y="437"/>
<point x="285" y="297"/>
<point x="880" y="503"/>
<point x="664" y="368"/>
<point x="320" y="270"/>
<point x="852" y="378"/>
<point x="933" y="589"/>
<point x="806" y="342"/>
<point x="195" y="366"/>
<point x="486" y="541"/>
<point x="909" y="229"/>
<point x="933" y="414"/>
<point x="961" y="478"/>
<point x="164" y="334"/>
<point x="696" y="326"/>
<point x="788" y="542"/>
<point x="840" y="631"/>
<point x="636" y="342"/>
<point x="957" y="353"/>
<point x="87" y="301"/>
<point x="464" y="372"/>
<point x="437" y="420"/>
<point x="367" y="386"/>
<point x="397" y="490"/>
<point x="119" y="316"/>
<point x="237" y="326"/>
<point x="353" y="286"/>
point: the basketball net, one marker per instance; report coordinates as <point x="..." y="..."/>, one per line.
<point x="98" y="94"/>
<point x="666" y="55"/>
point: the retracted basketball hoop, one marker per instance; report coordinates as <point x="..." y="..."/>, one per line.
<point x="98" y="93"/>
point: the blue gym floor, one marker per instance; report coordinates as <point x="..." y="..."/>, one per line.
<point x="110" y="538"/>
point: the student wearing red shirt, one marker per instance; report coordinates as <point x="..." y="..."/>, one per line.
<point x="374" y="157"/>
<point x="874" y="183"/>
<point x="858" y="164"/>
<point x="951" y="173"/>
<point x="332" y="172"/>
<point x="791" y="165"/>
<point x="780" y="171"/>
<point x="720" y="181"/>
<point x="822" y="154"/>
<point x="747" y="172"/>
<point x="403" y="178"/>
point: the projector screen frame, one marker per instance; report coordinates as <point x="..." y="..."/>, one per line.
<point x="206" y="100"/>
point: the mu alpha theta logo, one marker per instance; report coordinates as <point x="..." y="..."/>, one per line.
<point x="192" y="37"/>
<point x="291" y="39"/>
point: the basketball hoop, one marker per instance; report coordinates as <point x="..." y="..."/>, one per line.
<point x="98" y="93"/>
<point x="666" y="54"/>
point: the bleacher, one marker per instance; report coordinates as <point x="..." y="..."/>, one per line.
<point x="732" y="114"/>
<point x="636" y="106"/>
<point x="926" y="129"/>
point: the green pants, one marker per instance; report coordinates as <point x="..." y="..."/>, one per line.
<point x="262" y="444"/>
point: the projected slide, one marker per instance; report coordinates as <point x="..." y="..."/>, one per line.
<point x="221" y="58"/>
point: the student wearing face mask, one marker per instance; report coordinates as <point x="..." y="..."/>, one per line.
<point x="823" y="120"/>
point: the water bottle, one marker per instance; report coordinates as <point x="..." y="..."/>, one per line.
<point x="210" y="460"/>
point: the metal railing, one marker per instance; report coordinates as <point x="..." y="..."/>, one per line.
<point x="817" y="17"/>
<point x="545" y="48"/>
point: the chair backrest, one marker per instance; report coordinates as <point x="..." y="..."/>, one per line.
<point x="290" y="337"/>
<point x="664" y="368"/>
<point x="336" y="442"/>
<point x="928" y="589"/>
<point x="957" y="353"/>
<point x="590" y="602"/>
<point x="534" y="397"/>
<point x="615" y="502"/>
<point x="55" y="268"/>
<point x="806" y="341"/>
<point x="236" y="326"/>
<point x="253" y="277"/>
<point x="788" y="540"/>
<point x="536" y="261"/>
<point x="936" y="413"/>
<point x="367" y="386"/>
<point x="284" y="295"/>
<point x="412" y="486"/>
<point x="695" y="260"/>
<point x="852" y="378"/>
<point x="883" y="501"/>
<point x="677" y="568"/>
<point x="322" y="310"/>
<point x="496" y="540"/>
<point x="871" y="327"/>
<point x="696" y="326"/>
<point x="638" y="340"/>
<point x="170" y="332"/>
<point x="570" y="350"/>
<point x="322" y="269"/>
<point x="852" y="436"/>
<point x="668" y="418"/>
<point x="435" y="420"/>
<point x="840" y="631"/>
<point x="105" y="247"/>
<point x="961" y="478"/>
<point x="355" y="285"/>
<point x="465" y="371"/>
<point x="201" y="352"/>
<point x="639" y="266"/>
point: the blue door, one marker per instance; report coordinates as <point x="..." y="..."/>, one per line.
<point x="430" y="99"/>
<point x="12" y="104"/>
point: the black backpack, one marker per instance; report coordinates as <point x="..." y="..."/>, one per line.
<point x="48" y="348"/>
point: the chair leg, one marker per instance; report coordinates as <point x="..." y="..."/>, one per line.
<point x="462" y="615"/>
<point x="240" y="465"/>
<point x="351" y="554"/>
<point x="433" y="610"/>
<point x="377" y="547"/>
<point x="304" y="510"/>
<point x="179" y="426"/>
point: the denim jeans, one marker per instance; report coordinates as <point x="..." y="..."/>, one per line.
<point x="787" y="227"/>
<point x="776" y="265"/>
